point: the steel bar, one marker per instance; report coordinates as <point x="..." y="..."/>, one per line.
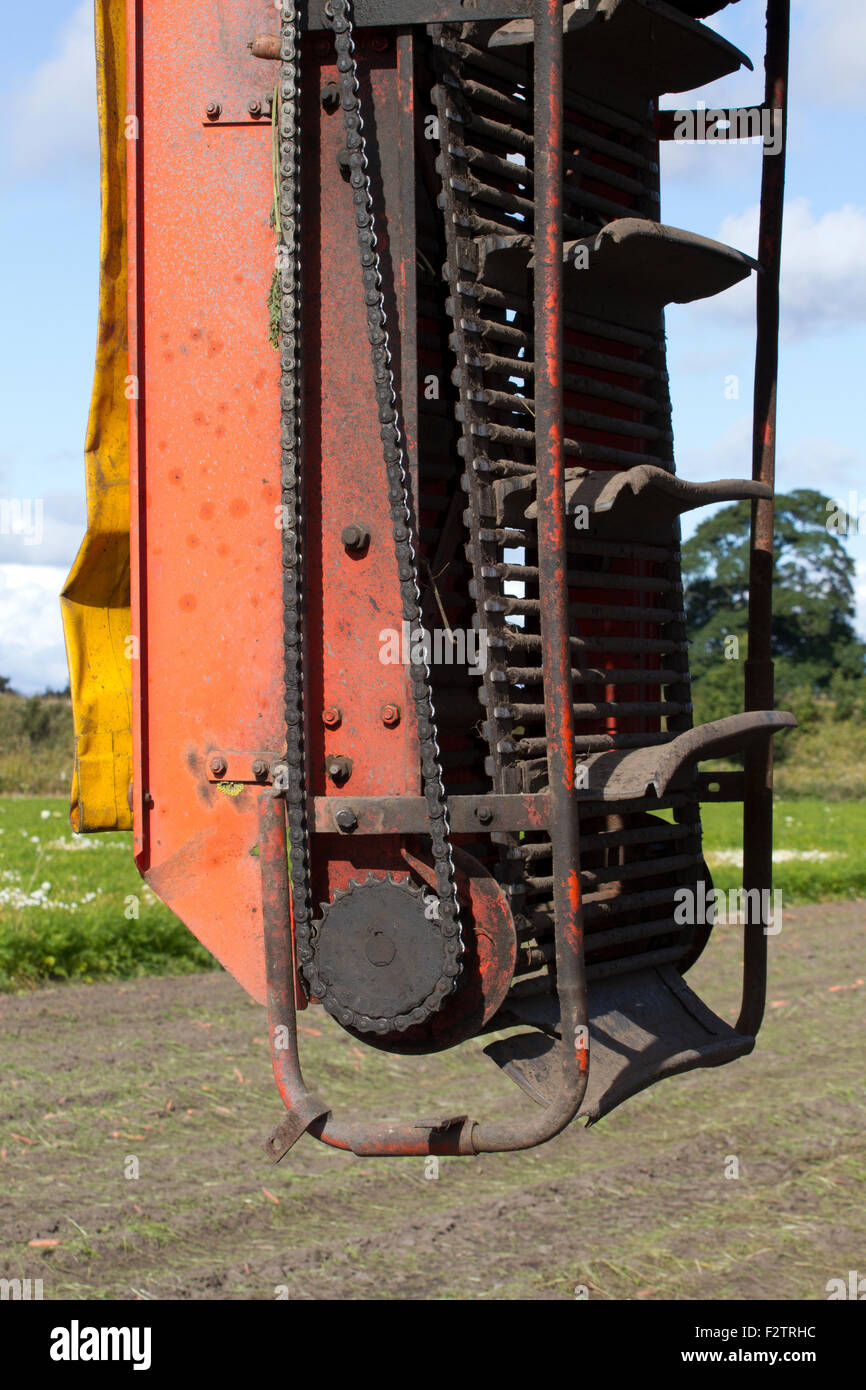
<point x="759" y="692"/>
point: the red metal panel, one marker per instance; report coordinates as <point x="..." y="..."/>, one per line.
<point x="206" y="549"/>
<point x="205" y="459"/>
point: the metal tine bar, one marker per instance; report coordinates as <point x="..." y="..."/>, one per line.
<point x="650" y="868"/>
<point x="508" y="536"/>
<point x="509" y="202"/>
<point x="522" y="174"/>
<point x="619" y="873"/>
<point x="625" y="709"/>
<point x="598" y="907"/>
<point x="588" y="743"/>
<point x="578" y="164"/>
<point x="601" y="612"/>
<point x="518" y="639"/>
<point x="604" y="970"/>
<point x="580" y="385"/>
<point x="512" y="72"/>
<point x="533" y="675"/>
<point x="574" y="133"/>
<point x="593" y="579"/>
<point x="504" y="400"/>
<point x="642" y="835"/>
<point x="588" y="357"/>
<point x="592" y="808"/>
<point x="580" y="323"/>
<point x="603" y="453"/>
<point x="636" y="931"/>
<point x="486" y="226"/>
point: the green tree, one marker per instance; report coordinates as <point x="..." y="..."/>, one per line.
<point x="814" y="642"/>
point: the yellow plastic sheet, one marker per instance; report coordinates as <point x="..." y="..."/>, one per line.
<point x="95" y="600"/>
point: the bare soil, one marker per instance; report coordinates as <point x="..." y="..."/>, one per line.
<point x="130" y="1162"/>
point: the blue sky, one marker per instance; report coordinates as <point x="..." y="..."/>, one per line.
<point x="49" y="240"/>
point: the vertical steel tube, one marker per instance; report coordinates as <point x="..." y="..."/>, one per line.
<point x="759" y="693"/>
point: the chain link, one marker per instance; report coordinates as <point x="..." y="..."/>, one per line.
<point x="338" y="14"/>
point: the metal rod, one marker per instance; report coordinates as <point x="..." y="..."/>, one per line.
<point x="759" y="693"/>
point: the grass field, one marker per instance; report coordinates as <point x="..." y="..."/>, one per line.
<point x="133" y="1112"/>
<point x="73" y="907"/>
<point x="819" y="853"/>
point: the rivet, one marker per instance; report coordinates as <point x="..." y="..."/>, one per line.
<point x="355" y="536"/>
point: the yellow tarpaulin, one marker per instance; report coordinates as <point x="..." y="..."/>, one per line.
<point x="95" y="600"/>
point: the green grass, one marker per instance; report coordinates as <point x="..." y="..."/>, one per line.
<point x="74" y="906"/>
<point x="819" y="848"/>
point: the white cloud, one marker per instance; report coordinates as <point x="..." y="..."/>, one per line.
<point x="729" y="455"/>
<point x="52" y="118"/>
<point x="829" y="51"/>
<point x="32" y="653"/>
<point x="823" y="464"/>
<point x="823" y="269"/>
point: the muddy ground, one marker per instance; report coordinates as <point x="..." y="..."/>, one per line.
<point x="169" y="1079"/>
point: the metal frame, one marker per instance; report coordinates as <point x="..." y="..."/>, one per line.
<point x="459" y="1134"/>
<point x="759" y="692"/>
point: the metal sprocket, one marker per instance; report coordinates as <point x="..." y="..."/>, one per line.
<point x="381" y="962"/>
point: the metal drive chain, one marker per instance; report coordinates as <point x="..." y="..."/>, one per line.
<point x="292" y="781"/>
<point x="338" y="14"/>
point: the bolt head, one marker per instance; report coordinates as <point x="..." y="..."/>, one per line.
<point x="260" y="767"/>
<point x="484" y="814"/>
<point x="339" y="768"/>
<point x="218" y="766"/>
<point x="390" y="716"/>
<point x="213" y="110"/>
<point x="254" y="107"/>
<point x="346" y="820"/>
<point x="355" y="536"/>
<point x="332" y="716"/>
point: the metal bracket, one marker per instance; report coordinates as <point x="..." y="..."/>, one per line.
<point x="409" y="815"/>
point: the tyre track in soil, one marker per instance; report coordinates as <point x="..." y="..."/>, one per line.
<point x="174" y="1074"/>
